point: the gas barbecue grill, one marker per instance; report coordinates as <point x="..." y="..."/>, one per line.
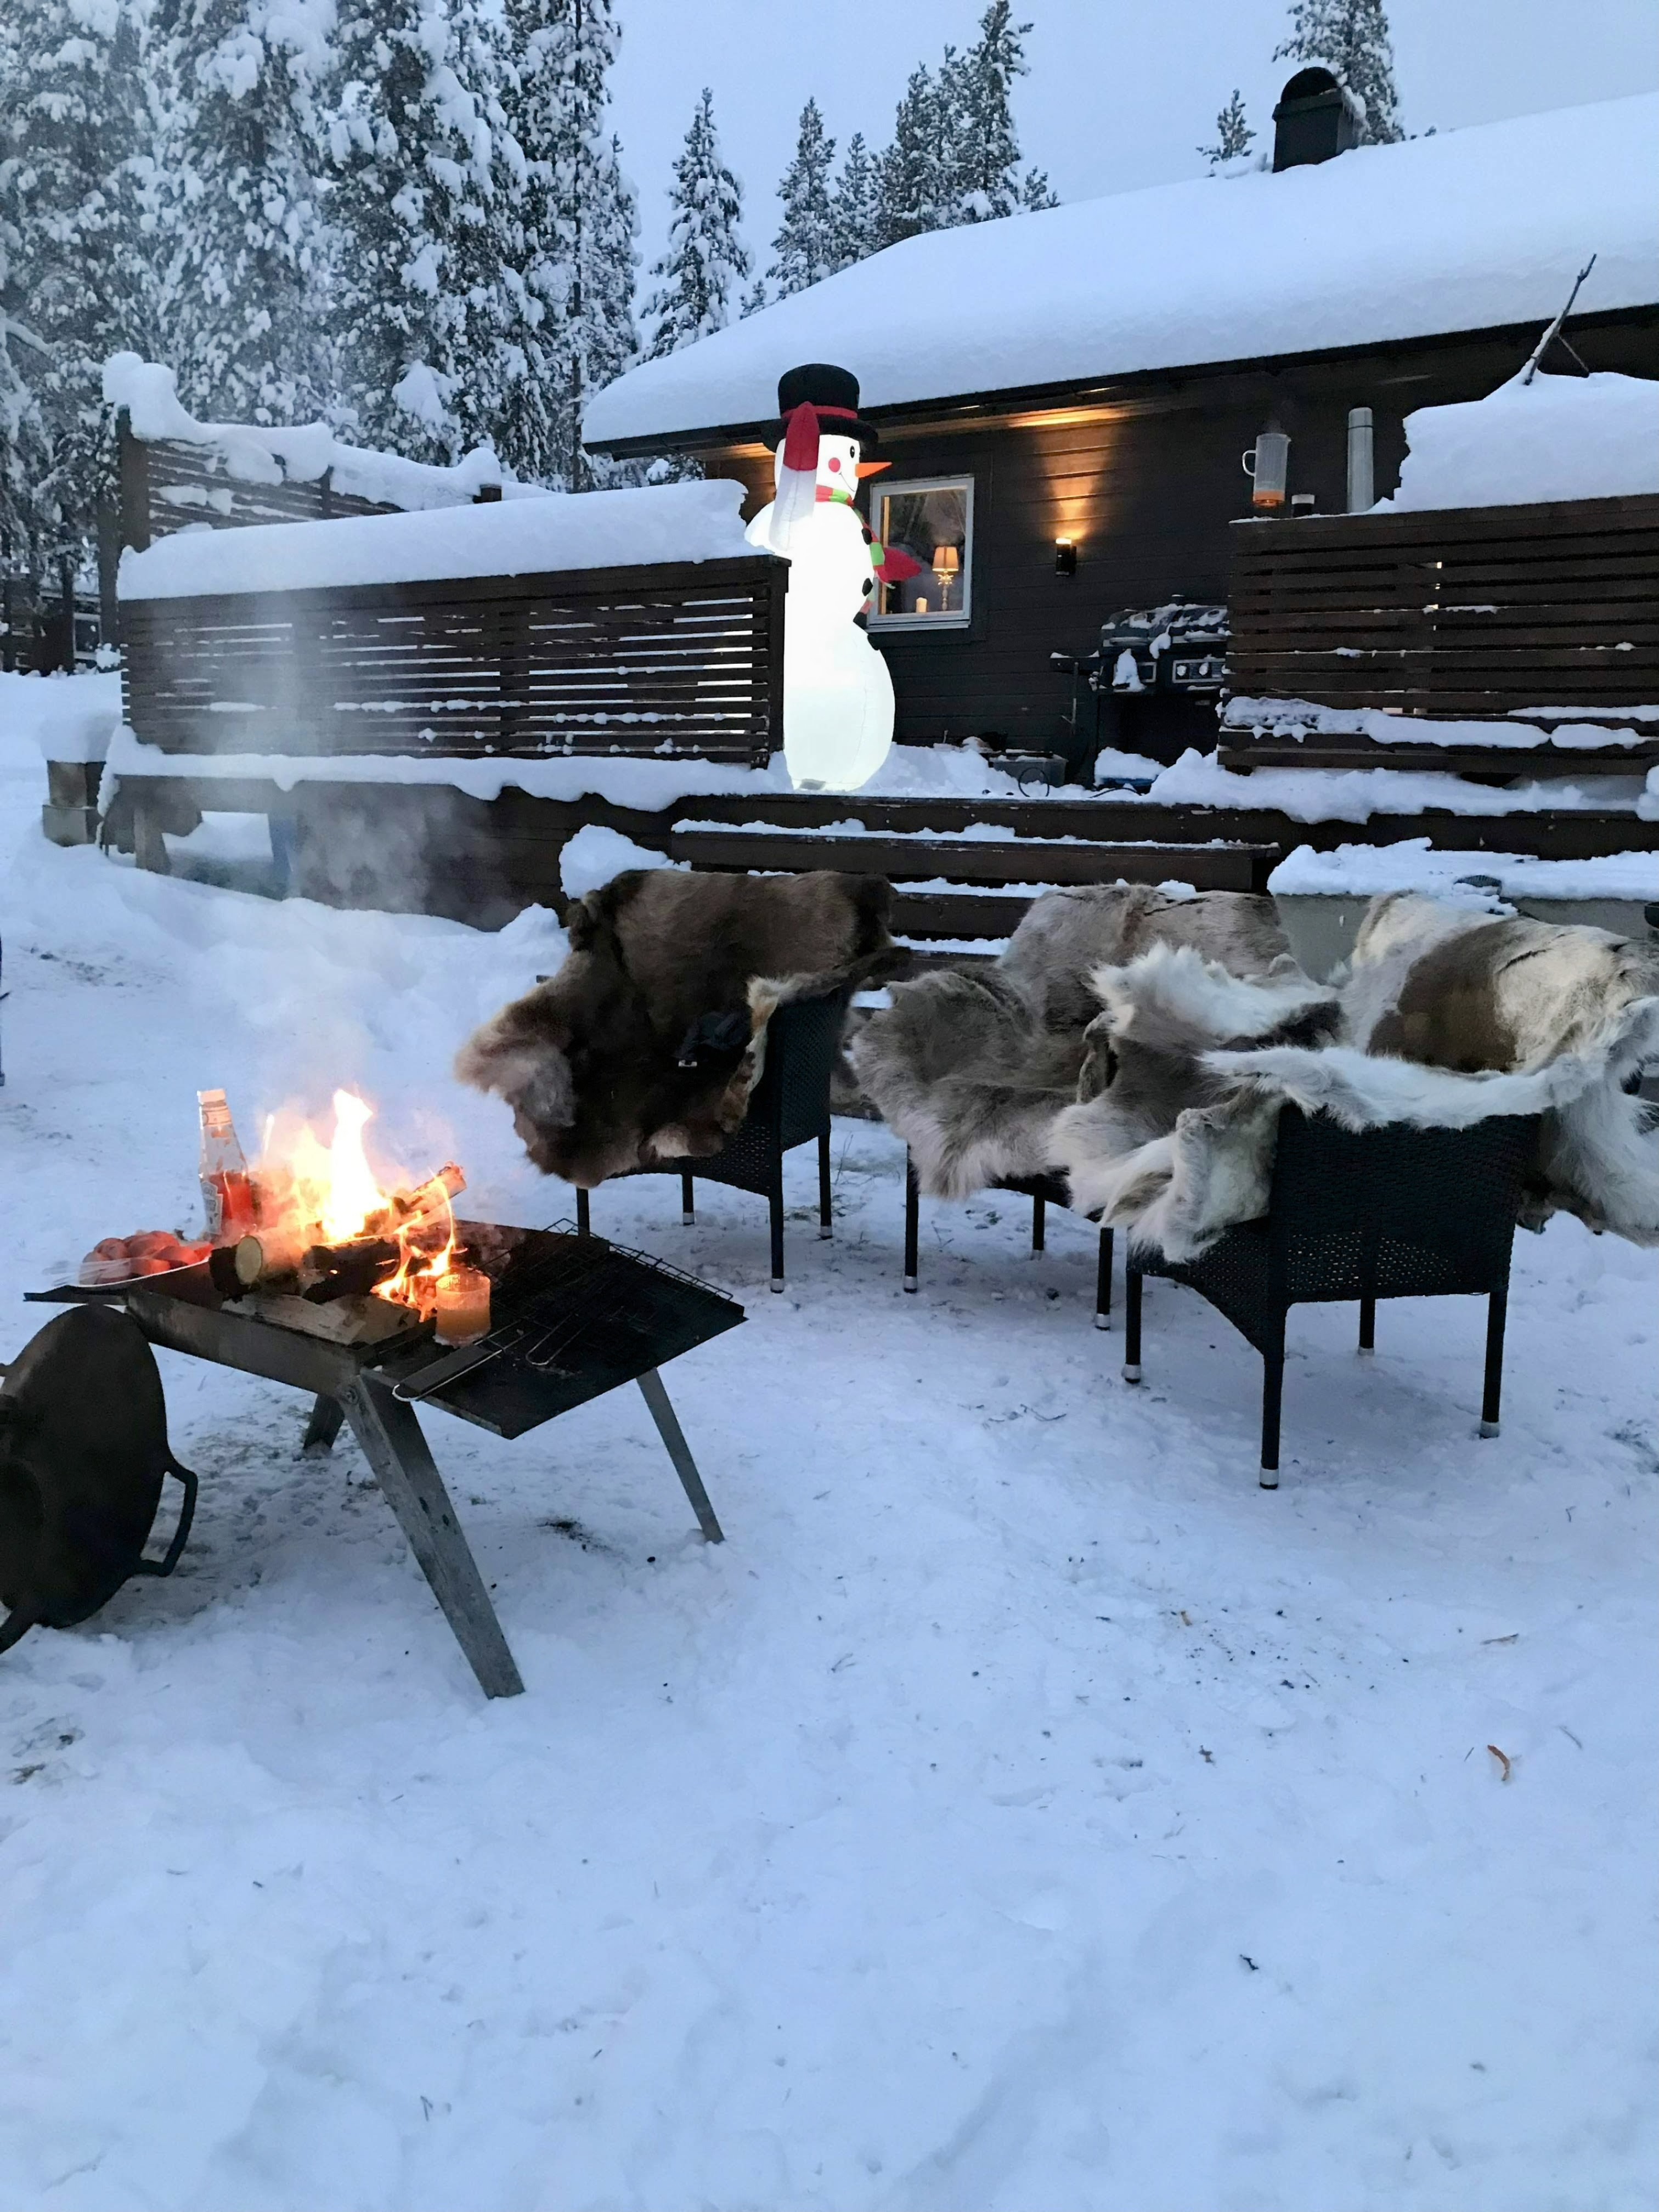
<point x="572" y="1316"/>
<point x="1146" y="654"/>
<point x="1179" y="646"/>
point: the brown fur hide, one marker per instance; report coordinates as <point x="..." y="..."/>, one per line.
<point x="647" y="1044"/>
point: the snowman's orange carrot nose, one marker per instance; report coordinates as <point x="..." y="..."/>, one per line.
<point x="872" y="469"/>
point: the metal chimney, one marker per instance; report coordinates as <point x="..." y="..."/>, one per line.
<point x="1315" y="118"/>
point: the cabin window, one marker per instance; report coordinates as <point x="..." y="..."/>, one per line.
<point x="932" y="519"/>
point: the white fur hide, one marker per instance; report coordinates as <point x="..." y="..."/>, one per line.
<point x="1577" y="1007"/>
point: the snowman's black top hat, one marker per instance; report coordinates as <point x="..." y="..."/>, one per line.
<point x="835" y="393"/>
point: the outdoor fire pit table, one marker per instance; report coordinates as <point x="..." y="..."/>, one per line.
<point x="571" y="1318"/>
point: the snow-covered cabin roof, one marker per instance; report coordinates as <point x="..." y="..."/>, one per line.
<point x="1465" y="230"/>
<point x="677" y="522"/>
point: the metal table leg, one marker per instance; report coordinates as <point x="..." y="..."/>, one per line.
<point x="326" y="1416"/>
<point x="669" y="1429"/>
<point x="392" y="1443"/>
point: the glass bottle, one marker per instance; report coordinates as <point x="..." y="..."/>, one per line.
<point x="226" y="1186"/>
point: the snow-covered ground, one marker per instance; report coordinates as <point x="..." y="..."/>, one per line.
<point x="1021" y="1810"/>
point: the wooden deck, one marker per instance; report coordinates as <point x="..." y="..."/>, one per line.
<point x="1452" y="612"/>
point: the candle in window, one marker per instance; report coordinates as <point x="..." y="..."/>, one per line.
<point x="463" y="1308"/>
<point x="921" y="604"/>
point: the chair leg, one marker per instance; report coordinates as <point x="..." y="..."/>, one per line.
<point x="1497" y="1312"/>
<point x="776" y="1196"/>
<point x="912" y="1221"/>
<point x="584" y="1223"/>
<point x="1103" y="1282"/>
<point x="826" y="1211"/>
<point x="1133" y="1279"/>
<point x="1368" y="1324"/>
<point x="1039" y="1225"/>
<point x="1272" y="1398"/>
<point x="687" y="1199"/>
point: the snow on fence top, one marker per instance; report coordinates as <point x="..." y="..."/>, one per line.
<point x="1558" y="437"/>
<point x="1463" y="231"/>
<point x="303" y="454"/>
<point x="572" y="530"/>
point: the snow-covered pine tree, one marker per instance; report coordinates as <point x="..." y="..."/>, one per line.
<point x="852" y="209"/>
<point x="916" y="187"/>
<point x="805" y="246"/>
<point x="417" y="146"/>
<point x="245" y="237"/>
<point x="706" y="261"/>
<point x="1233" y="134"/>
<point x="1352" y="38"/>
<point x="23" y="456"/>
<point x="570" y="224"/>
<point x="74" y="198"/>
<point x="984" y="143"/>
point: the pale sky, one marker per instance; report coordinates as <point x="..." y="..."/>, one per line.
<point x="1120" y="93"/>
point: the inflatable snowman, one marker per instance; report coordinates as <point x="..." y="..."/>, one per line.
<point x="837" y="694"/>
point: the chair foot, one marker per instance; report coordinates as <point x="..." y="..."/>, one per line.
<point x="824" y="1233"/>
<point x="1366" y="1350"/>
<point x="777" y="1282"/>
<point x="1490" y="1428"/>
<point x="687" y="1221"/>
<point x="1102" y="1321"/>
<point x="1268" y="1478"/>
<point x="909" y="1282"/>
<point x="1131" y="1374"/>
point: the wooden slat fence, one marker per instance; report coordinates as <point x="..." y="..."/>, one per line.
<point x="1471" y="611"/>
<point x="664" y="660"/>
<point x="167" y="485"/>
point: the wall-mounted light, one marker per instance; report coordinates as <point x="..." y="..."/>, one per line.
<point x="1065" y="557"/>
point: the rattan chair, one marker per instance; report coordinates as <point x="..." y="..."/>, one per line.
<point x="1043" y="1191"/>
<point x="789" y="1106"/>
<point x="1393" y="1212"/>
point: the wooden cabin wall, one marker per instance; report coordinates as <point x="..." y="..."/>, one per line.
<point x="1147" y="489"/>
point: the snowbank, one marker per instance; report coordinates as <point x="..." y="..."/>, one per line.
<point x="1368" y="871"/>
<point x="909" y="771"/>
<point x="69" y="718"/>
<point x="1295" y="719"/>
<point x="1558" y="437"/>
<point x="589" y="530"/>
<point x="303" y="453"/>
<point x="1465" y="230"/>
<point x="1322" y="794"/>
<point x="596" y="856"/>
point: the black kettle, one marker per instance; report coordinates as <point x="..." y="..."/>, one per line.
<point x="83" y="1451"/>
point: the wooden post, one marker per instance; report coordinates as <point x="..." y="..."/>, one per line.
<point x="132" y="475"/>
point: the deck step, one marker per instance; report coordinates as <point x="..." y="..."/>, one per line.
<point x="1031" y="863"/>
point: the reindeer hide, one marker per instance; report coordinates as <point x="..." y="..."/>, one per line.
<point x="972" y="1066"/>
<point x="646" y="1046"/>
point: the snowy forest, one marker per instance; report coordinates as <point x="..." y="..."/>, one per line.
<point x="412" y="219"/>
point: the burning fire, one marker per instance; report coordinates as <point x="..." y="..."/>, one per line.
<point x="311" y="1192"/>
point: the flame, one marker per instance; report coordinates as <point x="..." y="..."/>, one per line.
<point x="353" y="1193"/>
<point x="329" y="1194"/>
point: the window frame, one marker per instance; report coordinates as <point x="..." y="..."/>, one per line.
<point x="960" y="619"/>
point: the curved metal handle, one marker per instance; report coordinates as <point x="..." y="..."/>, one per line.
<point x="180" y="1535"/>
<point x="18" y="1625"/>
